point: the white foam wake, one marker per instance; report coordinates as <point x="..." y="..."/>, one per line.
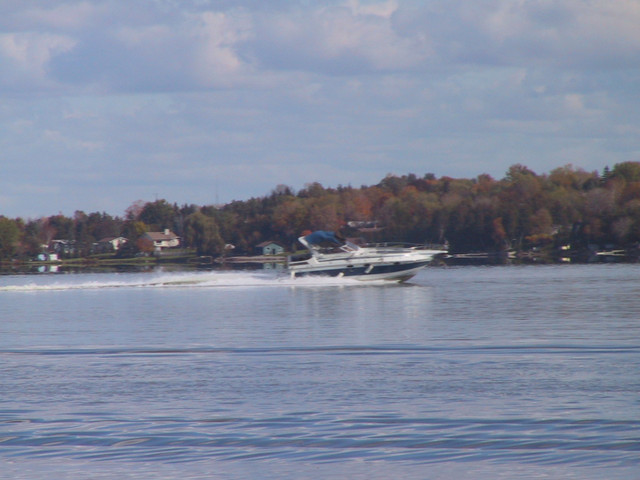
<point x="165" y="280"/>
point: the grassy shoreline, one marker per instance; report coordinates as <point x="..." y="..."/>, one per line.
<point x="111" y="261"/>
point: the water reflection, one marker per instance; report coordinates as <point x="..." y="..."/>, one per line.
<point x="370" y="313"/>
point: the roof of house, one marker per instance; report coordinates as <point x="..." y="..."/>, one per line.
<point x="160" y="236"/>
<point x="110" y="239"/>
<point x="267" y="243"/>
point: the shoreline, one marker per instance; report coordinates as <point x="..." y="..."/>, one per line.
<point x="261" y="261"/>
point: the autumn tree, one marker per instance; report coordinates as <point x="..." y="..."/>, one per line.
<point x="201" y="232"/>
<point x="567" y="206"/>
<point x="408" y="216"/>
<point x="290" y="218"/>
<point x="356" y="205"/>
<point x="158" y="215"/>
<point x="324" y="212"/>
<point x="9" y="237"/>
<point x="627" y="171"/>
<point x="63" y="227"/>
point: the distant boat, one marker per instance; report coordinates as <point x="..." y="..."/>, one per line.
<point x="330" y="256"/>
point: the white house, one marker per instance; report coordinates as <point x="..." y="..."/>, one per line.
<point x="110" y="244"/>
<point x="166" y="239"/>
<point x="269" y="248"/>
<point x="48" y="257"/>
<point x="63" y="247"/>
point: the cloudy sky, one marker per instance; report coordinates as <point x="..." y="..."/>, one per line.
<point x="106" y="102"/>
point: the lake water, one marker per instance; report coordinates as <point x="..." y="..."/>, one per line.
<point x="466" y="372"/>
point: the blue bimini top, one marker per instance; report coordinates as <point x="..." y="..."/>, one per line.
<point x="321" y="236"/>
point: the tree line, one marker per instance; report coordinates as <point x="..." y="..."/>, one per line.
<point x="566" y="207"/>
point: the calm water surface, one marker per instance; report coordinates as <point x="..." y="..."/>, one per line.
<point x="469" y="372"/>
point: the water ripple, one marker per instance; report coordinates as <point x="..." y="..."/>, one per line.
<point x="325" y="438"/>
<point x="332" y="349"/>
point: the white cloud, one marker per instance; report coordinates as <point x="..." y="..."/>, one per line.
<point x="200" y="46"/>
<point x="338" y="39"/>
<point x="66" y="16"/>
<point x="339" y="91"/>
<point x="217" y="38"/>
<point x="578" y="33"/>
<point x="381" y="9"/>
<point x="25" y="56"/>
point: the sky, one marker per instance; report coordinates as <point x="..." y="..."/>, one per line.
<point x="107" y="102"/>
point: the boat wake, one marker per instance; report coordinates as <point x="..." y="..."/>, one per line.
<point x="169" y="280"/>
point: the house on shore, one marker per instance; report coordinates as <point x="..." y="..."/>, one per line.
<point x="269" y="248"/>
<point x="63" y="247"/>
<point x="162" y="240"/>
<point x="47" y="257"/>
<point x="110" y="244"/>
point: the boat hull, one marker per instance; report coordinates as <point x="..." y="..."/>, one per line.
<point x="398" y="272"/>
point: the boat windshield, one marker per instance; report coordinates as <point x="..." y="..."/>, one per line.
<point x="322" y="238"/>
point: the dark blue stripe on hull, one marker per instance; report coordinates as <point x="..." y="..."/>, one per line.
<point x="362" y="271"/>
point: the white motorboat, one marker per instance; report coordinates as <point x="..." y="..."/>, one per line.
<point x="327" y="255"/>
